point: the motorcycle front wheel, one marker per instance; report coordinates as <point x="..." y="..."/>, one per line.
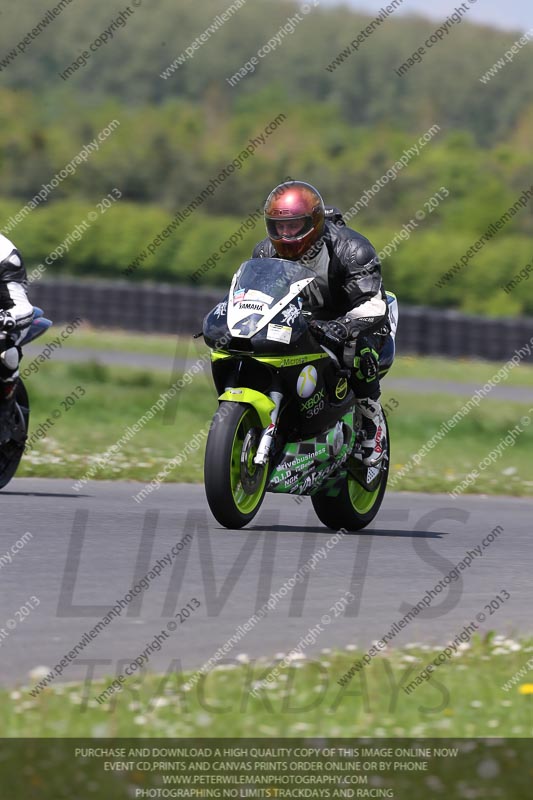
<point x="11" y="451"/>
<point x="354" y="507"/>
<point x="234" y="485"/>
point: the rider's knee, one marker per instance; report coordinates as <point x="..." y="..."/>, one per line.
<point x="9" y="361"/>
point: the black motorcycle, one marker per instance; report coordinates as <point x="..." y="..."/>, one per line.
<point x="286" y="420"/>
<point x="15" y="431"/>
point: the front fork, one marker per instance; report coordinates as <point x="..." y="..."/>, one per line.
<point x="267" y="439"/>
<point x="267" y="407"/>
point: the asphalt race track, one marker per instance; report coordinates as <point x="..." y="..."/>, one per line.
<point x="89" y="548"/>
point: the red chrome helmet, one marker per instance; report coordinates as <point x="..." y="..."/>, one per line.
<point x="294" y="217"/>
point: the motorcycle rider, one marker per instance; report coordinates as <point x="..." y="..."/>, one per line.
<point x="347" y="299"/>
<point x="16" y="313"/>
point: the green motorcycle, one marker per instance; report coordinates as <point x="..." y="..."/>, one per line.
<point x="286" y="421"/>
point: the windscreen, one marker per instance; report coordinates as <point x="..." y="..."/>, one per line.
<point x="267" y="280"/>
<point x="261" y="288"/>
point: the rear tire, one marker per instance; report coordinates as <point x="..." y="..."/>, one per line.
<point x="354" y="507"/>
<point x="11" y="452"/>
<point x="234" y="485"/>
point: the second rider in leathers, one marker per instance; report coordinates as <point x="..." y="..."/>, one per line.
<point x="347" y="299"/>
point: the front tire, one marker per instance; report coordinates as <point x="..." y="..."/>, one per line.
<point x="11" y="452"/>
<point x="354" y="507"/>
<point x="234" y="485"/>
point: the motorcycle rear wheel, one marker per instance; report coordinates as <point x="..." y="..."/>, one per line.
<point x="354" y="507"/>
<point x="234" y="485"/>
<point x="11" y="452"/>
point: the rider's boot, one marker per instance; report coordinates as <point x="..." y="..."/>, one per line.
<point x="374" y="430"/>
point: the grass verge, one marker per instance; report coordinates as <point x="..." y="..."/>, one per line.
<point x="463" y="697"/>
<point x="457" y="370"/>
<point x="87" y="338"/>
<point x="116" y="398"/>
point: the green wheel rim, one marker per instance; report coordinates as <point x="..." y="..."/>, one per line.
<point x="246" y="503"/>
<point x="361" y="500"/>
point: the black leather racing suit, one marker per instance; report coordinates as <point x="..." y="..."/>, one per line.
<point x="14" y="302"/>
<point x="348" y="286"/>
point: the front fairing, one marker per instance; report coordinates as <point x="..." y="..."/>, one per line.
<point x="215" y="327"/>
<point x="262" y="312"/>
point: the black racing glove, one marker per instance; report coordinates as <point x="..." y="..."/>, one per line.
<point x="7" y="323"/>
<point x="332" y="333"/>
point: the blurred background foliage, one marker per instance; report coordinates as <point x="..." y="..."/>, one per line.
<point x="343" y="130"/>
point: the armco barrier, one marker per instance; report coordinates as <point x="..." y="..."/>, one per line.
<point x="167" y="308"/>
